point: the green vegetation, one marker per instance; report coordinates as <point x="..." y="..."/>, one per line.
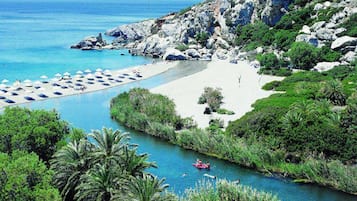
<point x="213" y="97"/>
<point x="202" y="38"/>
<point x="151" y="113"/>
<point x="254" y="35"/>
<point x="182" y="47"/>
<point x="224" y="190"/>
<point x="99" y="166"/>
<point x="296" y="133"/>
<point x="35" y="131"/>
<point x="25" y="177"/>
<point x="105" y="167"/>
<point x="351" y="26"/>
<point x="303" y="56"/>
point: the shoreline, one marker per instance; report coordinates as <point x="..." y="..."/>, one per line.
<point x="240" y="85"/>
<point x="79" y="84"/>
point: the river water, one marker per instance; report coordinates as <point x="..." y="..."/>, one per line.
<point x="34" y="40"/>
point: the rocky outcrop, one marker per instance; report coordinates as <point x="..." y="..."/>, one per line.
<point x="207" y="27"/>
<point x="325" y="66"/>
<point x="173" y="54"/>
<point x="92" y="43"/>
<point x="344" y="44"/>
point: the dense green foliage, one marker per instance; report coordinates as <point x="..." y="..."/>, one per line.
<point x="24" y="176"/>
<point x="225" y="191"/>
<point x="300" y="120"/>
<point x="257" y="34"/>
<point x="36" y="131"/>
<point x="152" y="113"/>
<point x="271" y="140"/>
<point x="104" y="168"/>
<point x="303" y="55"/>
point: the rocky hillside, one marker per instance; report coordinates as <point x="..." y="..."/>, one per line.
<point x="215" y="29"/>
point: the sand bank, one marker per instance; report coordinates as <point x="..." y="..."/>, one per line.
<point x="66" y="85"/>
<point x="240" y="84"/>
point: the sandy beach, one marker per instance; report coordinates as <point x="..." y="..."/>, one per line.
<point x="83" y="82"/>
<point x="240" y="84"/>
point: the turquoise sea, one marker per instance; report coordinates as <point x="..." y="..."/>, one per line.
<point x="35" y="36"/>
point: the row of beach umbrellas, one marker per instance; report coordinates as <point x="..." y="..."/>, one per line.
<point x="79" y="74"/>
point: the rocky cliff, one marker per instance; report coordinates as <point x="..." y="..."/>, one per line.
<point x="207" y="30"/>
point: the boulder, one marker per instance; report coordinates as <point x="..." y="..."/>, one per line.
<point x="349" y="57"/>
<point x="220" y="42"/>
<point x="305" y="30"/>
<point x="325" y="34"/>
<point x="318" y="25"/>
<point x="91" y="42"/>
<point x="220" y="54"/>
<point x="344" y="43"/>
<point x="193" y="53"/>
<point x="325" y="66"/>
<point x="318" y="6"/>
<point x="174" y="54"/>
<point x="308" y="39"/>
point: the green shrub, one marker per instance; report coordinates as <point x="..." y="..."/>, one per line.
<point x="182" y="47"/>
<point x="224" y="190"/>
<point x="303" y="55"/>
<point x="268" y="60"/>
<point x="202" y="38"/>
<point x="271" y="85"/>
<point x="284" y="38"/>
<point x="213" y="97"/>
<point x="326" y="54"/>
<point x="225" y="111"/>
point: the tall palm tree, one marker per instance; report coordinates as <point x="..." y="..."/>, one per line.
<point x="109" y="145"/>
<point x="146" y="188"/>
<point x="99" y="184"/>
<point x="134" y="164"/>
<point x="69" y="164"/>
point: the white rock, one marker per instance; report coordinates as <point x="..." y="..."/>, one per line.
<point x="305" y="29"/>
<point x="259" y="50"/>
<point x="318" y="6"/>
<point x="173" y="54"/>
<point x="325" y="66"/>
<point x="343" y="41"/>
<point x="349" y="56"/>
<point x="318" y="25"/>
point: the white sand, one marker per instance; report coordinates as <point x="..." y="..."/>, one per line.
<point x="48" y="89"/>
<point x="238" y="96"/>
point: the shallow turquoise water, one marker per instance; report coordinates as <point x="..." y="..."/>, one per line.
<point x="34" y="40"/>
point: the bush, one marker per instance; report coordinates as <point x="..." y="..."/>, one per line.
<point x="213" y="97"/>
<point x="326" y="54"/>
<point x="225" y="111"/>
<point x="182" y="47"/>
<point x="202" y="38"/>
<point x="284" y="38"/>
<point x="271" y="85"/>
<point x="268" y="60"/>
<point x="303" y="56"/>
<point x="258" y="34"/>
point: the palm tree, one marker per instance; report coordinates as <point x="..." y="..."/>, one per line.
<point x="99" y="184"/>
<point x="134" y="164"/>
<point x="333" y="91"/>
<point x="69" y="164"/>
<point x="109" y="145"/>
<point x="146" y="188"/>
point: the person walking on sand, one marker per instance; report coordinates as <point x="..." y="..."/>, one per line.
<point x="239" y="78"/>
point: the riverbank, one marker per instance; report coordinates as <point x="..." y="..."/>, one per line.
<point x="240" y="84"/>
<point x="83" y="82"/>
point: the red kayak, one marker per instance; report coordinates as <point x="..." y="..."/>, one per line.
<point x="202" y="165"/>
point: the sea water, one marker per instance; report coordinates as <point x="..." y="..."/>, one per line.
<point x="36" y="35"/>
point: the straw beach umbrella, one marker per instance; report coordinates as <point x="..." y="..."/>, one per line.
<point x="4" y="81"/>
<point x="28" y="83"/>
<point x="87" y="71"/>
